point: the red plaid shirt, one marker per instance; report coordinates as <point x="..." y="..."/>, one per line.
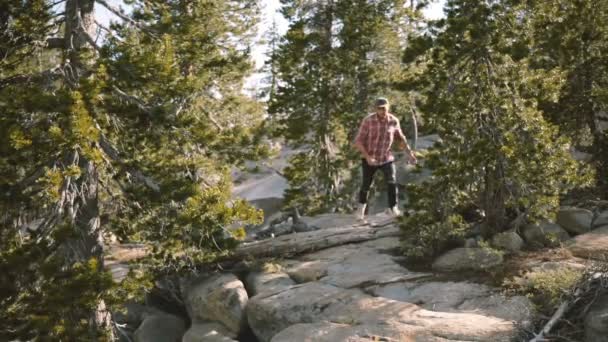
<point x="377" y="136"/>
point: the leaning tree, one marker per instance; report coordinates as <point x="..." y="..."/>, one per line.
<point x="127" y="128"/>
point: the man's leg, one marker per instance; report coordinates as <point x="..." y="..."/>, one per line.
<point x="390" y="178"/>
<point x="368" y="172"/>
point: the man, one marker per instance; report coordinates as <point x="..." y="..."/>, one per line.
<point x="374" y="140"/>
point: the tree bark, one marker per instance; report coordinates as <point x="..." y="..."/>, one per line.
<point x="298" y="243"/>
<point x="494" y="200"/>
<point x="83" y="205"/>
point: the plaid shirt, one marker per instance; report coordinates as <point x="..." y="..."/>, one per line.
<point x="377" y="136"/>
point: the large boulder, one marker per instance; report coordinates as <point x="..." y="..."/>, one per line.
<point x="208" y="332"/>
<point x="258" y="282"/>
<point x="352" y="265"/>
<point x="592" y="245"/>
<point x="324" y="221"/>
<point x="545" y="234"/>
<point x="509" y="241"/>
<point x="601" y="220"/>
<point x="458" y="297"/>
<point x="338" y="332"/>
<point x="133" y="314"/>
<point x="160" y="328"/>
<point x="574" y="220"/>
<point x="317" y="302"/>
<point x="475" y="259"/>
<point x="596" y="321"/>
<point x="220" y="298"/>
<point x="270" y="206"/>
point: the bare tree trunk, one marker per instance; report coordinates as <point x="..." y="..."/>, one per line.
<point x="84" y="201"/>
<point x="328" y="149"/>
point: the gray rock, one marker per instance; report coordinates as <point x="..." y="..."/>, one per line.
<point x="270" y="206"/>
<point x="596" y="321"/>
<point x="460" y="259"/>
<point x="592" y="245"/>
<point x="352" y="265"/>
<point x="160" y="328"/>
<point x="545" y="234"/>
<point x="459" y="297"/>
<point x="601" y="220"/>
<point x="574" y="220"/>
<point x="208" y="332"/>
<point x="546" y="266"/>
<point x="509" y="241"/>
<point x="336" y="332"/>
<point x="318" y="303"/>
<point x="220" y="298"/>
<point x="329" y="220"/>
<point x="300" y="225"/>
<point x="133" y="314"/>
<point x="470" y="243"/>
<point x="258" y="282"/>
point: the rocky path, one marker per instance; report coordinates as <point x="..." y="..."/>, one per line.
<point x="352" y="291"/>
<point x="346" y="281"/>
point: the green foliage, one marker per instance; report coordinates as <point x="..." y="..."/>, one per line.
<point x="571" y="37"/>
<point x="336" y="57"/>
<point x="499" y="158"/>
<point x="134" y="137"/>
<point x="547" y="288"/>
<point x="42" y="296"/>
<point x="426" y="238"/>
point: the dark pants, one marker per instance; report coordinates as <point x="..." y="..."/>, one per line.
<point x="390" y="177"/>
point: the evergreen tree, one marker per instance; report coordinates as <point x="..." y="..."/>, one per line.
<point x="336" y="57"/>
<point x="500" y="162"/>
<point x="132" y="134"/>
<point x="272" y="40"/>
<point x="570" y="38"/>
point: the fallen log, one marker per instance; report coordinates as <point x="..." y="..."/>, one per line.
<point x="305" y="242"/>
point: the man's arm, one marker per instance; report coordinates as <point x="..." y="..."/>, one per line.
<point x="403" y="143"/>
<point x="361" y="135"/>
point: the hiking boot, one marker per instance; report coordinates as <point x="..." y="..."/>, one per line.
<point x="394" y="211"/>
<point x="360" y="213"/>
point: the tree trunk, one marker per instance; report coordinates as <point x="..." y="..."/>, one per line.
<point x="297" y="243"/>
<point x="79" y="22"/>
<point x="494" y="200"/>
<point x="327" y="147"/>
<point x="88" y="244"/>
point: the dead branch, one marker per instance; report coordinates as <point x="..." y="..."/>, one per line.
<point x="53" y="73"/>
<point x="132" y="100"/>
<point x="119" y="13"/>
<point x="563" y="308"/>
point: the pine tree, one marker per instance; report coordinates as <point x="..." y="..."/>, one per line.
<point x="500" y="162"/>
<point x="132" y="134"/>
<point x="570" y="38"/>
<point x="272" y="39"/>
<point x="336" y="57"/>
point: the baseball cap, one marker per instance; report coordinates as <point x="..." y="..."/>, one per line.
<point x="381" y="102"/>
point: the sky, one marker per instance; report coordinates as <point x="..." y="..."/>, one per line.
<point x="269" y="13"/>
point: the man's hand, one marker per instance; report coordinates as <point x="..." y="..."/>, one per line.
<point x="370" y="160"/>
<point x="412" y="158"/>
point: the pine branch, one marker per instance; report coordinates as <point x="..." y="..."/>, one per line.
<point x="133" y="100"/>
<point x="51" y="74"/>
<point x="126" y="18"/>
<point x="112" y="152"/>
